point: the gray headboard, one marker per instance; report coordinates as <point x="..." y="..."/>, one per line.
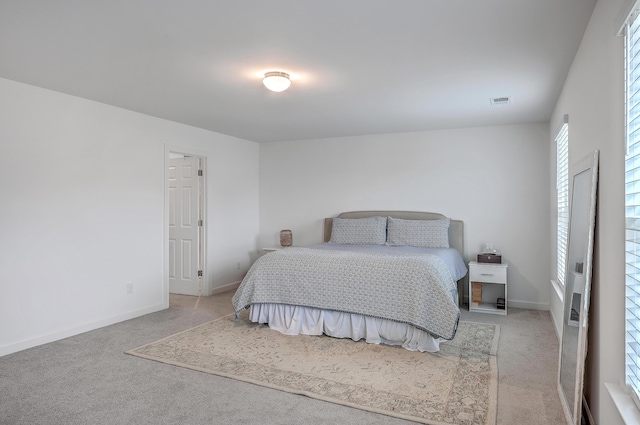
<point x="456" y="228"/>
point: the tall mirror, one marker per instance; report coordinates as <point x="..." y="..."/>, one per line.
<point x="573" y="347"/>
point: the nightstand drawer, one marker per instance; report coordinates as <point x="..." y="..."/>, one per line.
<point x="488" y="274"/>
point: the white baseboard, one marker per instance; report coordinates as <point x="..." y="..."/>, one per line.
<point x="56" y="336"/>
<point x="224" y="288"/>
<point x="520" y="304"/>
<point x="528" y="305"/>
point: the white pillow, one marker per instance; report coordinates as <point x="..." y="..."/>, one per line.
<point x="359" y="231"/>
<point x="422" y="233"/>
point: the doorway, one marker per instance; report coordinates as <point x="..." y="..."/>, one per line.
<point x="186" y="199"/>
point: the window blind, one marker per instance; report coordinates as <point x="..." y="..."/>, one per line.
<point x="562" y="189"/>
<point x="632" y="204"/>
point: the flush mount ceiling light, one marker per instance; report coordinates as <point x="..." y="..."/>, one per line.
<point x="276" y="81"/>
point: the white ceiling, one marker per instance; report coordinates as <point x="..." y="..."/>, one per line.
<point x="358" y="66"/>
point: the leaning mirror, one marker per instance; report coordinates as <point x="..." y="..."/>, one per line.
<point x="573" y="345"/>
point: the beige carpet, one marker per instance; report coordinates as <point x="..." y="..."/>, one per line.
<point x="456" y="386"/>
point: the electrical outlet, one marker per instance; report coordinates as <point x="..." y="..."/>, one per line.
<point x="238" y="265"/>
<point x="129" y="288"/>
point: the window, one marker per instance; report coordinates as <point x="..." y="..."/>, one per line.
<point x="632" y="203"/>
<point x="562" y="189"/>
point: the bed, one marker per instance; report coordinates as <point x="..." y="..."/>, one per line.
<point x="387" y="277"/>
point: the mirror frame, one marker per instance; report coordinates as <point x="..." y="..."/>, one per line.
<point x="573" y="413"/>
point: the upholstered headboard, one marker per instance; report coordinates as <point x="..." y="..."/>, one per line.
<point x="456" y="229"/>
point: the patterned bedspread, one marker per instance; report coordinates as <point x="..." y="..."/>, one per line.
<point x="414" y="288"/>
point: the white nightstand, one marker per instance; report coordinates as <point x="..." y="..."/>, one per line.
<point x="272" y="248"/>
<point x="490" y="281"/>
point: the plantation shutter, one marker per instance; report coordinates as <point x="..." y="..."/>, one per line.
<point x="562" y="189"/>
<point x="632" y="203"/>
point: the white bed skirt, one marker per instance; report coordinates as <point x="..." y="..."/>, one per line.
<point x="294" y="320"/>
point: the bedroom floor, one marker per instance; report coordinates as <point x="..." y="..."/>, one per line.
<point x="87" y="378"/>
<point x="527" y="358"/>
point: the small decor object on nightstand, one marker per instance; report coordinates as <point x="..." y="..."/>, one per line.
<point x="490" y="258"/>
<point x="476" y="298"/>
<point x="489" y="255"/>
<point x="286" y="238"/>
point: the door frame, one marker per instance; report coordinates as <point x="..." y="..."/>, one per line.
<point x="205" y="285"/>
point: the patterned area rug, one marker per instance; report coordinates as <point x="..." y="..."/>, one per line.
<point x="456" y="386"/>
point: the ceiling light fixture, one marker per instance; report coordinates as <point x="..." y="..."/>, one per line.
<point x="276" y="81"/>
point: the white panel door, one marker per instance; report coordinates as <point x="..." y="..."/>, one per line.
<point x="183" y="226"/>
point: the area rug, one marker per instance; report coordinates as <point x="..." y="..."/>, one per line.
<point x="456" y="386"/>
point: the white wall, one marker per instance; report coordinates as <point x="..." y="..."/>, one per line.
<point x="83" y="212"/>
<point x="495" y="179"/>
<point x="593" y="98"/>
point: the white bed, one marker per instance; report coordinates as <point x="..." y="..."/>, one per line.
<point x="344" y="320"/>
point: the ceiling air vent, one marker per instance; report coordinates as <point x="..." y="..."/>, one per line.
<point x="503" y="100"/>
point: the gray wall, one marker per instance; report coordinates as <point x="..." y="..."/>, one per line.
<point x="593" y="96"/>
<point x="84" y="212"/>
<point x="495" y="179"/>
